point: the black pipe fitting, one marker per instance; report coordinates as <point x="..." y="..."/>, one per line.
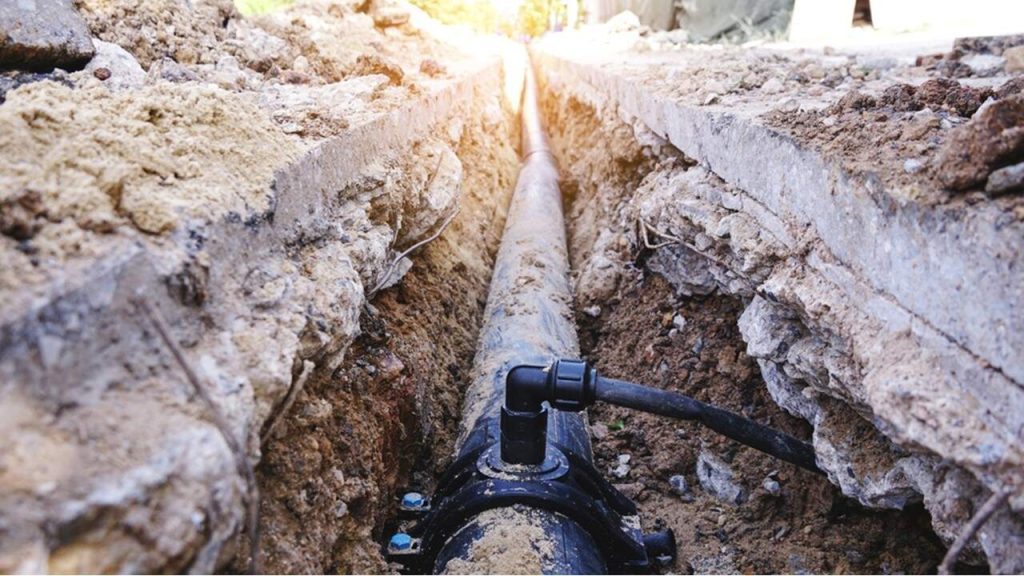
<point x="565" y="385"/>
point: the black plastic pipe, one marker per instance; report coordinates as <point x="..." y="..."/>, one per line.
<point x="528" y="320"/>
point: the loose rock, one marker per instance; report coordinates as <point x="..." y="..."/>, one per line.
<point x="1009" y="179"/>
<point x="43" y="35"/>
<point x="116" y="67"/>
<point x="716" y="478"/>
<point x="988" y="141"/>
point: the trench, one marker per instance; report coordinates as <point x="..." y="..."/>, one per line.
<point x="385" y="421"/>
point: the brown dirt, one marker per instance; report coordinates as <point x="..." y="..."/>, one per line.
<point x="387" y="418"/>
<point x="808" y="528"/>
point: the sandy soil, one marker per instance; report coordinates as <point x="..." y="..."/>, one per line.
<point x="803" y="525"/>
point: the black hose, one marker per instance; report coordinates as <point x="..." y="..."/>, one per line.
<point x="743" y="430"/>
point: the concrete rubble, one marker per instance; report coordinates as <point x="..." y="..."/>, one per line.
<point x="883" y="302"/>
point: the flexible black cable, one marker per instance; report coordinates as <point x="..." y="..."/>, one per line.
<point x="673" y="405"/>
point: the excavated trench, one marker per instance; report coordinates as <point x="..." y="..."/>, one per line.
<point x="385" y="420"/>
<point x="341" y="369"/>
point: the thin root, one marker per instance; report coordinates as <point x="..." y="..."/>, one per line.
<point x="217" y="417"/>
<point x="977" y="521"/>
<point x="289" y="399"/>
<point x="397" y="259"/>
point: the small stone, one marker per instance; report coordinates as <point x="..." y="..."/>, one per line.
<point x="622" y="470"/>
<point x="169" y="70"/>
<point x="341" y="510"/>
<point x="808" y="529"/>
<point x="431" y="67"/>
<point x="667" y="319"/>
<point x="716" y="478"/>
<point x="771" y="486"/>
<point x="631" y="490"/>
<point x="1014" y="59"/>
<point x="391" y="367"/>
<point x="592" y="311"/>
<point x="772" y="86"/>
<point x="599" y="431"/>
<point x="389" y="14"/>
<point x="715" y="87"/>
<point x="711" y="99"/>
<point x="116" y="67"/>
<point x="681" y="488"/>
<point x="698" y="345"/>
<point x="788" y="106"/>
<point x="913" y="165"/>
<point x="1008" y="179"/>
<point x="679" y="322"/>
<point x="984" y="64"/>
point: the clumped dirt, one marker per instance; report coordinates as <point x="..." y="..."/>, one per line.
<point x="79" y="163"/>
<point x="806" y="527"/>
<point x="312" y="42"/>
<point x="992" y="140"/>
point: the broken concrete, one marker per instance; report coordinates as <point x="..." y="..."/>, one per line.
<point x="42" y="35"/>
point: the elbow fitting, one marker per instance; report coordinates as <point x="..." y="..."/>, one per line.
<point x="565" y="385"/>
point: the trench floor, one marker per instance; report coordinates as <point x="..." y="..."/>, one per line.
<point x="808" y="526"/>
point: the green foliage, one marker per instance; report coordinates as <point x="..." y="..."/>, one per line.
<point x="479" y="15"/>
<point x="254" y="7"/>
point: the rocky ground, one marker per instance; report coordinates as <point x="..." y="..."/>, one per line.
<point x="859" y="211"/>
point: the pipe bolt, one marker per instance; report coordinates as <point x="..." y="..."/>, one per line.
<point x="400" y="542"/>
<point x="412" y="500"/>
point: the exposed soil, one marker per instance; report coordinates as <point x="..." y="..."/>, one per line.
<point x="807" y="527"/>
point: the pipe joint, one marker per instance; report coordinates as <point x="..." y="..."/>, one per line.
<point x="566" y="385"/>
